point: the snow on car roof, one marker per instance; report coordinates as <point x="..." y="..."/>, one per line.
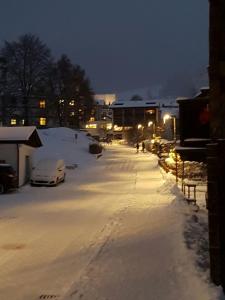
<point x="49" y="162"/>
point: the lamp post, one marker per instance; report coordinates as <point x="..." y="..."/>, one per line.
<point x="173" y="118"/>
<point x="140" y="127"/>
<point x="151" y="125"/>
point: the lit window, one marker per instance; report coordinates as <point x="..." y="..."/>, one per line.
<point x="72" y="103"/>
<point x="42" y="121"/>
<point x="150" y="111"/>
<point x="92" y="119"/>
<point x="42" y="103"/>
<point x="61" y="101"/>
<point x="22" y="121"/>
<point x="13" y="122"/>
<point x="117" y="128"/>
<point x="109" y="126"/>
<point x="72" y="113"/>
<point x="91" y="126"/>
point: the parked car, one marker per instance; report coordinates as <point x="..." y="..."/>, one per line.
<point x="48" y="172"/>
<point x="8" y="178"/>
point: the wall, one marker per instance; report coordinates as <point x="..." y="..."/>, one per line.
<point x="8" y="152"/>
<point x="24" y="171"/>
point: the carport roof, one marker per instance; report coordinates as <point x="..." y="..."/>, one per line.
<point x="27" y="135"/>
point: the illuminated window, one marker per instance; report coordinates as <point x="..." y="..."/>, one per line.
<point x="42" y="121"/>
<point x="22" y="121"/>
<point x="13" y="121"/>
<point x="42" y="103"/>
<point x="72" y="113"/>
<point x="92" y="119"/>
<point x="150" y="111"/>
<point x="109" y="126"/>
<point x="117" y="128"/>
<point x="91" y="126"/>
<point x="72" y="103"/>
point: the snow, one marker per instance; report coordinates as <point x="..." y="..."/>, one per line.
<point x="133" y="103"/>
<point x="117" y="229"/>
<point x="16" y="133"/>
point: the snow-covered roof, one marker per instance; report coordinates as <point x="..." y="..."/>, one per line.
<point x="204" y="88"/>
<point x="24" y="135"/>
<point x="134" y="103"/>
<point x="182" y="98"/>
<point x="16" y="133"/>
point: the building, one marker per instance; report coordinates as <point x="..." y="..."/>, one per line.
<point x="194" y="125"/>
<point x="102" y="106"/>
<point x="107" y="99"/>
<point x="136" y="113"/>
<point x="216" y="149"/>
<point x="41" y="113"/>
<point x="99" y="129"/>
<point x="17" y="145"/>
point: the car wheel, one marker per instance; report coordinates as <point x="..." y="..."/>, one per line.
<point x="2" y="189"/>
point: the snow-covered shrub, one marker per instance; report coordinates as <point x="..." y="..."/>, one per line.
<point x="95" y="148"/>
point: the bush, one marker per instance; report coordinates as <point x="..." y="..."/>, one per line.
<point x="95" y="148"/>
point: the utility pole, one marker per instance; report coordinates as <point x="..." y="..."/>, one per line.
<point x="216" y="149"/>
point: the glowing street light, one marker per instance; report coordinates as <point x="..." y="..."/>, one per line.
<point x="150" y="123"/>
<point x="139" y="126"/>
<point x="168" y="117"/>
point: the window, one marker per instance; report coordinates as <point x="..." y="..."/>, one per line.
<point x="109" y="126"/>
<point x="150" y="111"/>
<point x="91" y="126"/>
<point x="72" y="113"/>
<point x="13" y="121"/>
<point x="42" y="103"/>
<point x="42" y="121"/>
<point x="72" y="103"/>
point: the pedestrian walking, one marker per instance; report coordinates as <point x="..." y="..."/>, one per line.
<point x="143" y="147"/>
<point x="75" y="137"/>
<point x="137" y="147"/>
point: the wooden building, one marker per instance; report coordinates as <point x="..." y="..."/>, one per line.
<point x="194" y="126"/>
<point x="17" y="145"/>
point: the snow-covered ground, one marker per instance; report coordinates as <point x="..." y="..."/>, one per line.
<point x="117" y="229"/>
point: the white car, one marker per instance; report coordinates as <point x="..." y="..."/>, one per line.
<point x="48" y="172"/>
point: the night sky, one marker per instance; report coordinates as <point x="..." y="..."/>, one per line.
<point x="122" y="44"/>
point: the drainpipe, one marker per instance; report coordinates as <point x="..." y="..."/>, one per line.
<point x="18" y="163"/>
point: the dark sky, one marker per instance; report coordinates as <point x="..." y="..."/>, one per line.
<point x="122" y="44"/>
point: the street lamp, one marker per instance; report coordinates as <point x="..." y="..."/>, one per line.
<point x="169" y="117"/>
<point x="140" y="128"/>
<point x="166" y="117"/>
<point x="152" y="131"/>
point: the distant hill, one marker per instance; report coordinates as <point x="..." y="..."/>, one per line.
<point x="179" y="85"/>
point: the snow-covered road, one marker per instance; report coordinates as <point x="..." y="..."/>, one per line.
<point x="111" y="232"/>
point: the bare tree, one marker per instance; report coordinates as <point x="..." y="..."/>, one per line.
<point x="26" y="62"/>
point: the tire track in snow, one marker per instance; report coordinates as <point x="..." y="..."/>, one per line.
<point x="100" y="242"/>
